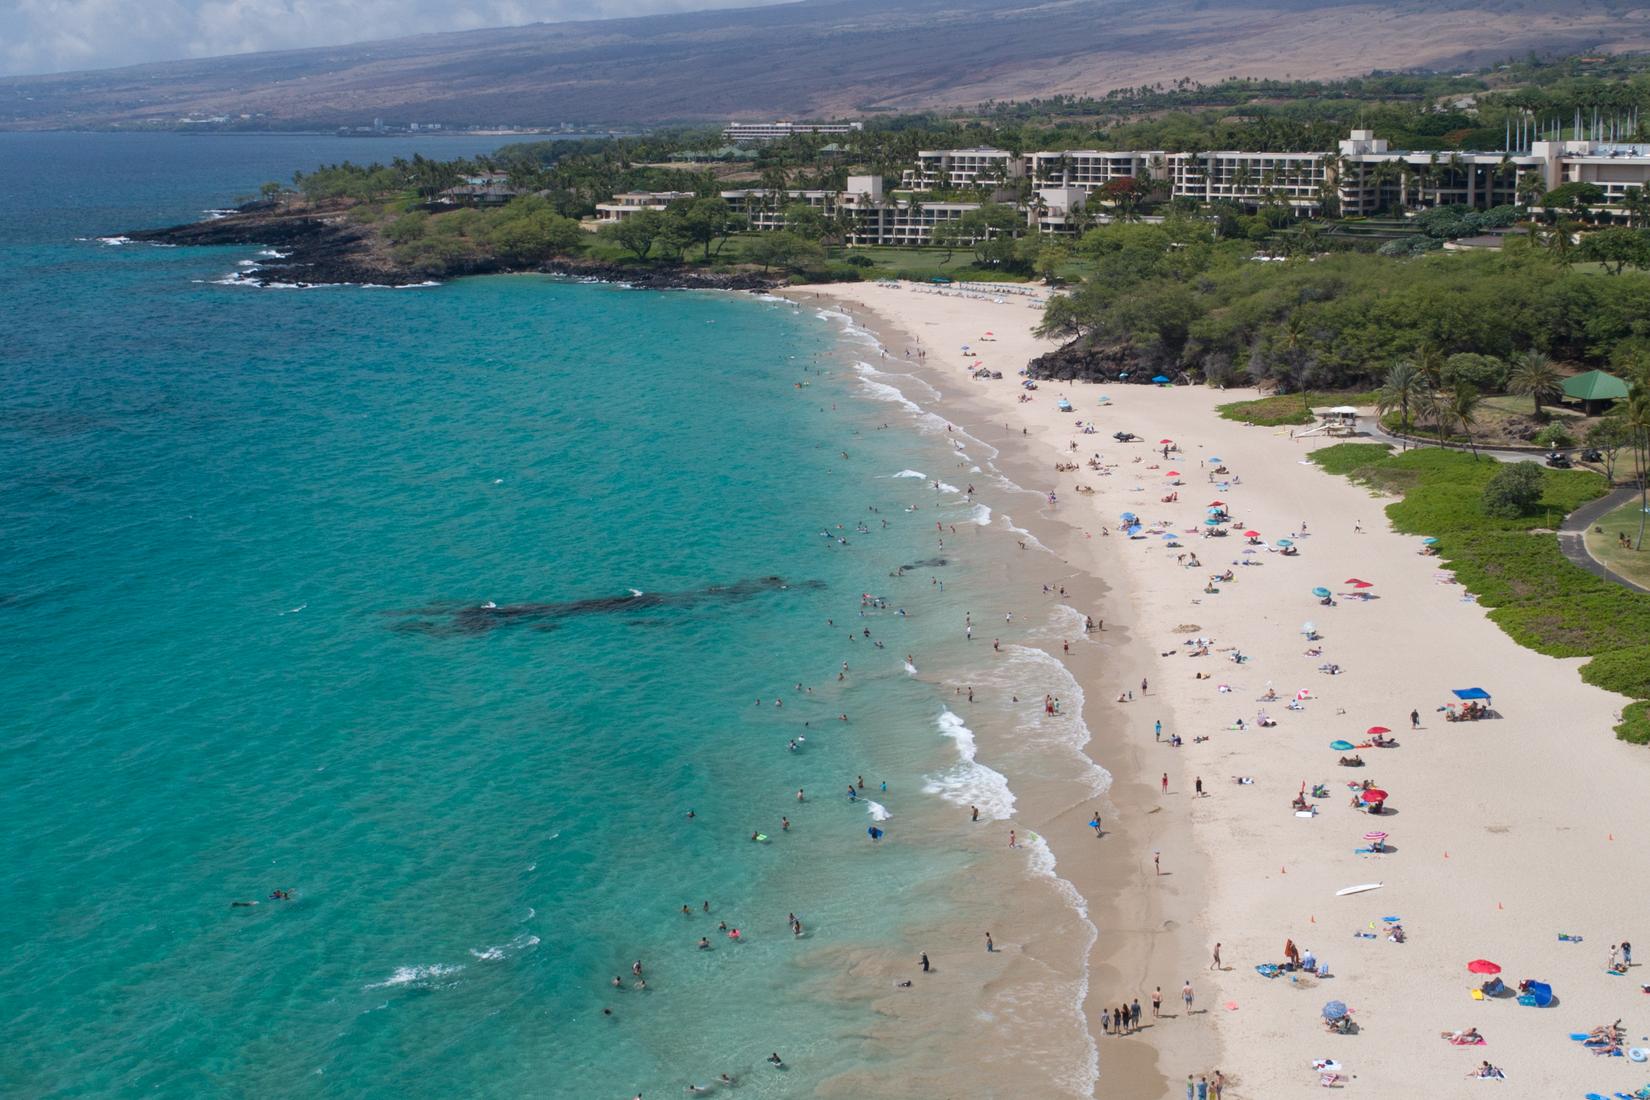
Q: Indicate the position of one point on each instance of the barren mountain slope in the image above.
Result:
(819, 57)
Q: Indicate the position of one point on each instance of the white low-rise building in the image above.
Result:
(775, 131)
(627, 203)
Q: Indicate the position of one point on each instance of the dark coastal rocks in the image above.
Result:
(1083, 361)
(320, 249)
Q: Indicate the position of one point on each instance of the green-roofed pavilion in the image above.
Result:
(1595, 390)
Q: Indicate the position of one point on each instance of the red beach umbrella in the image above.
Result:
(1356, 583)
(1172, 473)
(1376, 834)
(1251, 534)
(1374, 794)
(1216, 504)
(1373, 730)
(1483, 966)
(1165, 441)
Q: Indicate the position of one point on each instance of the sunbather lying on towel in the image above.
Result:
(1467, 1038)
(1489, 1072)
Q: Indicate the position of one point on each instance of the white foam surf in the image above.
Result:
(982, 515)
(910, 473)
(416, 975)
(1025, 536)
(968, 782)
(1040, 861)
(524, 942)
(878, 811)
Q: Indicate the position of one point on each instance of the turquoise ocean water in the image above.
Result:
(247, 540)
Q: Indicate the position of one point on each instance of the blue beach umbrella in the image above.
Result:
(1334, 1010)
(1212, 522)
(1429, 541)
(1159, 379)
(1134, 529)
(1170, 535)
(1213, 458)
(1285, 542)
(1321, 593)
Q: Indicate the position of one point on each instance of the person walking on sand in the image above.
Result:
(1217, 1085)
(1157, 1002)
(1157, 862)
(1142, 685)
(1191, 1088)
(989, 946)
(1134, 1014)
(1215, 963)
(925, 962)
(1157, 730)
(1011, 842)
(1200, 786)
(1414, 719)
(1186, 995)
(1165, 782)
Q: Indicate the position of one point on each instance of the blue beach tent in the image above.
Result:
(1472, 694)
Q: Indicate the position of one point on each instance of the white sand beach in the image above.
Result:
(1503, 833)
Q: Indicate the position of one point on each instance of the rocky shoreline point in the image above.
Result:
(324, 248)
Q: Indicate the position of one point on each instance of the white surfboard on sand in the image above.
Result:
(1345, 890)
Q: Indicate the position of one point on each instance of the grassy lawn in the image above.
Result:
(926, 263)
(1607, 547)
(1289, 408)
(1514, 566)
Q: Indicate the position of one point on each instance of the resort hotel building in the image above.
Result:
(737, 132)
(1056, 190)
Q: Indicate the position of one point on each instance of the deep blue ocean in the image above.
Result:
(249, 540)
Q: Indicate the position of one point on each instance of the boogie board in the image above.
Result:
(1345, 890)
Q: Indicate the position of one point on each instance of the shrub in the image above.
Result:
(1513, 490)
(1555, 435)
(1485, 373)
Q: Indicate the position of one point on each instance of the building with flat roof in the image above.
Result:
(1251, 179)
(1614, 167)
(1091, 169)
(775, 131)
(962, 169)
(627, 203)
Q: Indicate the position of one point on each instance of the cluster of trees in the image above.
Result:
(1180, 297)
(706, 223)
(522, 234)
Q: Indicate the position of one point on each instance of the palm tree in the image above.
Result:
(1534, 376)
(1636, 418)
(1530, 188)
(1430, 362)
(1405, 387)
(1457, 410)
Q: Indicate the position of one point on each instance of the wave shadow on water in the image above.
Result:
(453, 618)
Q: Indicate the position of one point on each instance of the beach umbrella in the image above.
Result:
(1216, 504)
(1172, 473)
(1159, 379)
(1429, 542)
(1212, 521)
(1320, 592)
(1373, 730)
(1285, 542)
(1309, 627)
(1213, 458)
(1356, 583)
(1165, 441)
(1303, 694)
(1483, 966)
(1134, 529)
(1249, 534)
(1341, 746)
(1374, 794)
(1126, 517)
(1334, 1010)
(1378, 835)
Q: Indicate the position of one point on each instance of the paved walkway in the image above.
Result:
(1572, 534)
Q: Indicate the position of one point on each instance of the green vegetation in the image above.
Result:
(1181, 296)
(1512, 563)
(1289, 408)
(1617, 545)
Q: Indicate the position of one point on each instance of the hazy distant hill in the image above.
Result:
(820, 57)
